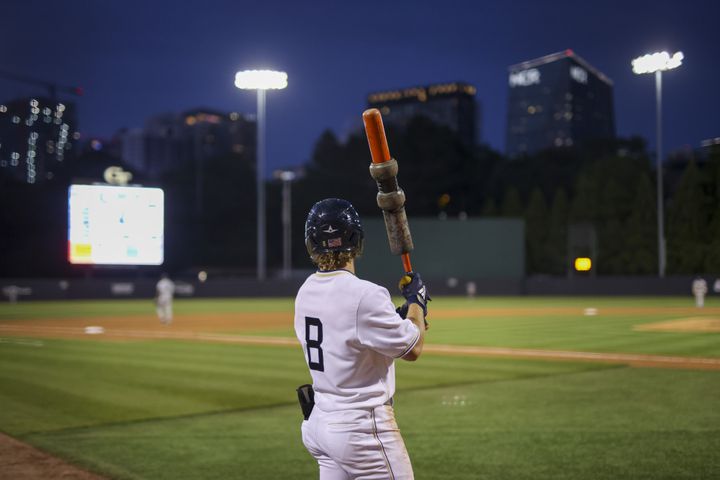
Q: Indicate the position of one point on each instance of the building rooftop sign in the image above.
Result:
(422, 93)
(553, 57)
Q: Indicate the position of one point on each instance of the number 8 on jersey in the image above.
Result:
(313, 340)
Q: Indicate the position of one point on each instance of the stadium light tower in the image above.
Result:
(287, 177)
(260, 80)
(657, 63)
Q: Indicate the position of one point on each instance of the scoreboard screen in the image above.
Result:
(113, 225)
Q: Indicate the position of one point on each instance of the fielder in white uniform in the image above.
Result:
(699, 290)
(351, 334)
(165, 289)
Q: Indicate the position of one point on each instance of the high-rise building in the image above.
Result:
(36, 136)
(185, 140)
(450, 104)
(558, 100)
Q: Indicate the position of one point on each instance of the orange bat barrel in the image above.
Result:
(390, 197)
(375, 131)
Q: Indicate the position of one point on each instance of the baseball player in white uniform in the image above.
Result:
(351, 334)
(699, 290)
(165, 289)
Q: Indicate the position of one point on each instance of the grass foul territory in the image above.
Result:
(213, 395)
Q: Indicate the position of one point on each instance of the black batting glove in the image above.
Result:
(402, 310)
(414, 290)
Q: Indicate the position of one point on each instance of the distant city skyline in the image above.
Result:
(136, 60)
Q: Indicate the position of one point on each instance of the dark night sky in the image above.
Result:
(138, 58)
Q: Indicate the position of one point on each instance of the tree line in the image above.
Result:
(607, 186)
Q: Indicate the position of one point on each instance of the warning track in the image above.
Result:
(631, 359)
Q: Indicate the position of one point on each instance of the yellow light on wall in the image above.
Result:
(583, 264)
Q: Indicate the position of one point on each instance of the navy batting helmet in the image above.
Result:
(333, 225)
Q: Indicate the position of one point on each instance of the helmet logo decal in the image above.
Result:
(335, 242)
(330, 229)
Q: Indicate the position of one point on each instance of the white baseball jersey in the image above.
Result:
(699, 287)
(165, 289)
(351, 335)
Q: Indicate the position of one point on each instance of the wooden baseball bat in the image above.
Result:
(391, 198)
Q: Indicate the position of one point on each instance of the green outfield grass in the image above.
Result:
(170, 409)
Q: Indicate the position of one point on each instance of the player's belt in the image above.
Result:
(389, 402)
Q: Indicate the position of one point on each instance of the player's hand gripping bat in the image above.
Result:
(390, 197)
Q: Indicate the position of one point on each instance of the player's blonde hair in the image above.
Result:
(332, 260)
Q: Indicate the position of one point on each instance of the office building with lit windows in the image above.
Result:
(450, 104)
(36, 136)
(185, 140)
(558, 100)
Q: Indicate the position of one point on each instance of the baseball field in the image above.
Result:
(507, 388)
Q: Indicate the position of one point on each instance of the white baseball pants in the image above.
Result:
(164, 311)
(357, 444)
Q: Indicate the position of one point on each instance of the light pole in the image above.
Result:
(656, 63)
(260, 80)
(287, 177)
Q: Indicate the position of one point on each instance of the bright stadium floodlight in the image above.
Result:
(260, 80)
(657, 63)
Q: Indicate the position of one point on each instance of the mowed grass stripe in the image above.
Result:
(105, 382)
(101, 308)
(597, 333)
(600, 424)
(90, 308)
(127, 384)
(147, 355)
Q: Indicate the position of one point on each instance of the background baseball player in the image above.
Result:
(351, 334)
(165, 289)
(699, 290)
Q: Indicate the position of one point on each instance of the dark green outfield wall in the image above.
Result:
(470, 249)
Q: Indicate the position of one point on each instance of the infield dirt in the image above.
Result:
(21, 461)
